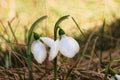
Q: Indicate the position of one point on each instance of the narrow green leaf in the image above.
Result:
(55, 37)
(102, 31)
(108, 68)
(78, 27)
(30, 32)
(69, 72)
(57, 25)
(30, 35)
(33, 26)
(103, 28)
(114, 60)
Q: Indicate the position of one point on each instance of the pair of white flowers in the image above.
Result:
(66, 45)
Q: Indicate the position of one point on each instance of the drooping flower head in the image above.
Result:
(66, 45)
(38, 49)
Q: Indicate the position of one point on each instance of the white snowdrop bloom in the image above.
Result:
(117, 76)
(48, 41)
(66, 45)
(39, 51)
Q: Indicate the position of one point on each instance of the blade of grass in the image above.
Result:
(108, 67)
(78, 27)
(14, 36)
(6, 61)
(92, 52)
(85, 48)
(7, 56)
(16, 26)
(25, 34)
(4, 29)
(102, 43)
(9, 43)
(70, 70)
(15, 39)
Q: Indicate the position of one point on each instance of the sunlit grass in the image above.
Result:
(88, 13)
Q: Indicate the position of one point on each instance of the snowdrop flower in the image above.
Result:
(66, 45)
(117, 77)
(39, 51)
(48, 41)
(38, 48)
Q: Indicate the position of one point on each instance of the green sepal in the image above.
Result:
(61, 32)
(36, 36)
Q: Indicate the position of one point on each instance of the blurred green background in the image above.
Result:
(89, 14)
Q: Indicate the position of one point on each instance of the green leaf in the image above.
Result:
(57, 25)
(28, 44)
(103, 28)
(102, 44)
(109, 69)
(78, 27)
(33, 27)
(31, 31)
(55, 37)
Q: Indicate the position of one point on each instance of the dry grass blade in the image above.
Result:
(92, 52)
(85, 48)
(4, 28)
(14, 36)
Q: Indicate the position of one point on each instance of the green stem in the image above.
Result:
(55, 60)
(30, 33)
(55, 69)
(55, 38)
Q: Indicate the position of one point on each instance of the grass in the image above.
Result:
(16, 58)
(88, 15)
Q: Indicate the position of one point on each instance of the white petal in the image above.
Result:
(68, 46)
(48, 41)
(39, 51)
(117, 76)
(54, 50)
